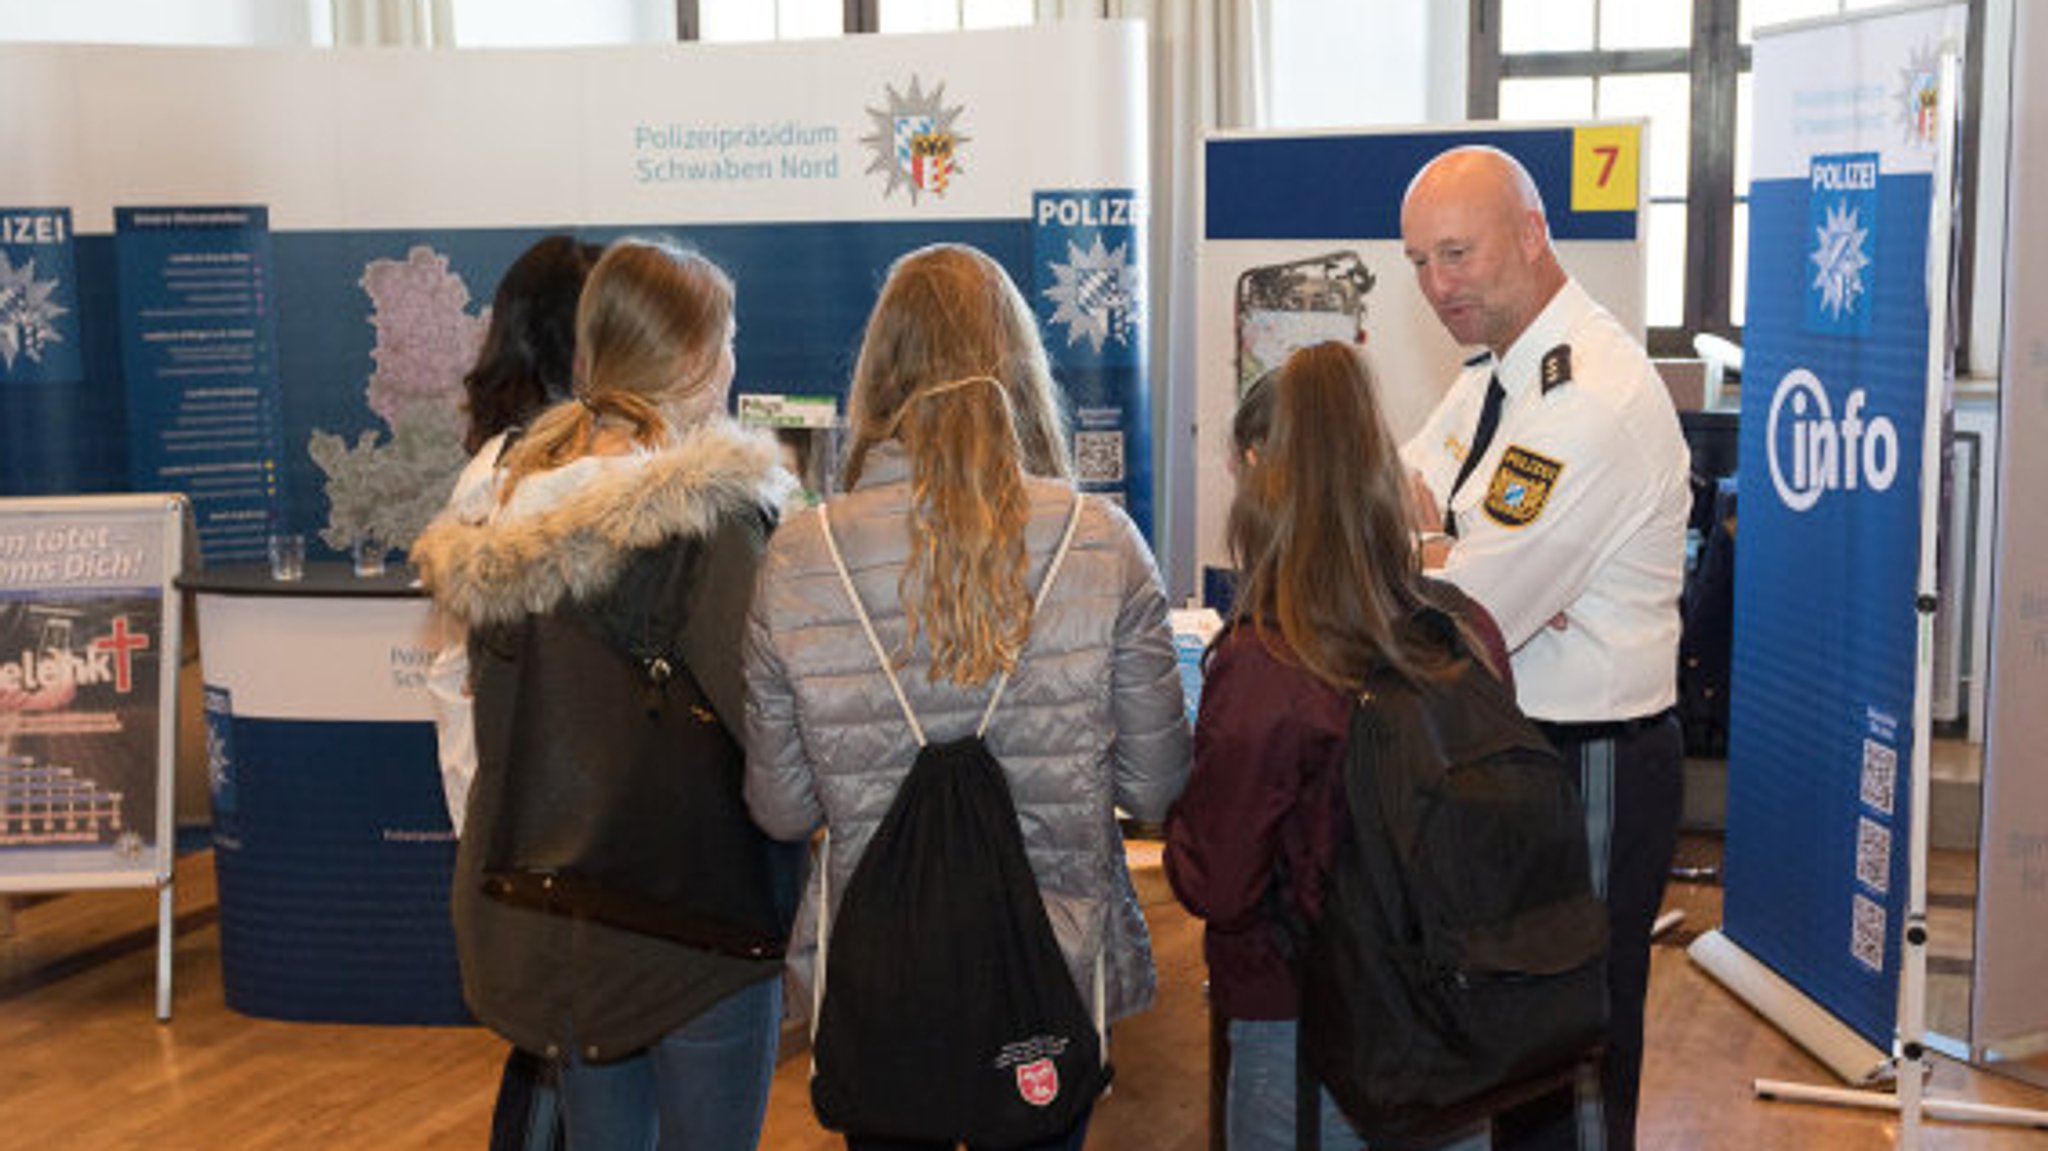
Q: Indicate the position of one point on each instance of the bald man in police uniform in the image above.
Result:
(1556, 473)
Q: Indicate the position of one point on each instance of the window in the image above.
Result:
(948, 15)
(1340, 63)
(1683, 65)
(550, 24)
(1546, 60)
(730, 20)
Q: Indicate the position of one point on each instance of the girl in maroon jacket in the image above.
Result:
(1328, 582)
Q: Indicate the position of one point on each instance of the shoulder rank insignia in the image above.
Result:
(1521, 485)
(1557, 367)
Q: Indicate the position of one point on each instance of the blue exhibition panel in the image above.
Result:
(333, 863)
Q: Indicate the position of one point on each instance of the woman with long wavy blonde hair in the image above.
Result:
(958, 499)
(952, 370)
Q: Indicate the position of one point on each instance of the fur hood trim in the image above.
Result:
(509, 566)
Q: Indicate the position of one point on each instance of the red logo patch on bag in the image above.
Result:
(1038, 1082)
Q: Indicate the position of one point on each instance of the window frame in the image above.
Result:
(861, 16)
(1714, 61)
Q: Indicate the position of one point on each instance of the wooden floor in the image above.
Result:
(86, 1065)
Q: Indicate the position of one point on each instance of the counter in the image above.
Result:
(331, 838)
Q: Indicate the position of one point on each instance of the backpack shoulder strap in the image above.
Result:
(867, 625)
(1052, 571)
(646, 627)
(1437, 620)
(1374, 734)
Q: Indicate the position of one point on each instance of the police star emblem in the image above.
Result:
(1096, 294)
(28, 315)
(915, 141)
(1521, 486)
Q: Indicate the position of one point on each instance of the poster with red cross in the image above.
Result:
(86, 668)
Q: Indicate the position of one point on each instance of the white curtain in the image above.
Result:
(394, 23)
(1209, 70)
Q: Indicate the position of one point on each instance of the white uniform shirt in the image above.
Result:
(1578, 507)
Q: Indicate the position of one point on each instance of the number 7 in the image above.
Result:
(1611, 152)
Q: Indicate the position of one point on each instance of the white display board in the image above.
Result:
(279, 263)
(89, 651)
(1301, 241)
(655, 135)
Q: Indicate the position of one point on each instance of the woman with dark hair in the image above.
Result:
(526, 363)
(526, 360)
(1250, 423)
(1329, 587)
(956, 505)
(629, 520)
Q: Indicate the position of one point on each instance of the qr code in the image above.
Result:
(1099, 456)
(1874, 855)
(1880, 775)
(1866, 933)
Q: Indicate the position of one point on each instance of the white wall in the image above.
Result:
(1994, 124)
(270, 23)
(2012, 868)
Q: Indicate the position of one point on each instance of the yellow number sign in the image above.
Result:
(1604, 162)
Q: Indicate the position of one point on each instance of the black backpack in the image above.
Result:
(947, 1011)
(1459, 965)
(632, 816)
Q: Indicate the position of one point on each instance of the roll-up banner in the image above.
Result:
(1287, 261)
(2012, 886)
(271, 267)
(1835, 392)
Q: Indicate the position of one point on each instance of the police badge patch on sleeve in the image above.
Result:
(1521, 485)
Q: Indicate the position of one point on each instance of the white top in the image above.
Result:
(1578, 508)
(475, 500)
(475, 491)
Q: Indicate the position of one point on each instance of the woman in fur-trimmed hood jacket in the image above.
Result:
(628, 504)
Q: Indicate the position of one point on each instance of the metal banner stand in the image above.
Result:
(1909, 1050)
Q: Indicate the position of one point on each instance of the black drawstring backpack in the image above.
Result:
(947, 1010)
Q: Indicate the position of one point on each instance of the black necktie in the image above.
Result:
(1482, 438)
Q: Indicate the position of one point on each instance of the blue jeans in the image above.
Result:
(701, 1087)
(1263, 1093)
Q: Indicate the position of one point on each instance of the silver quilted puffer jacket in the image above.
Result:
(1092, 721)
